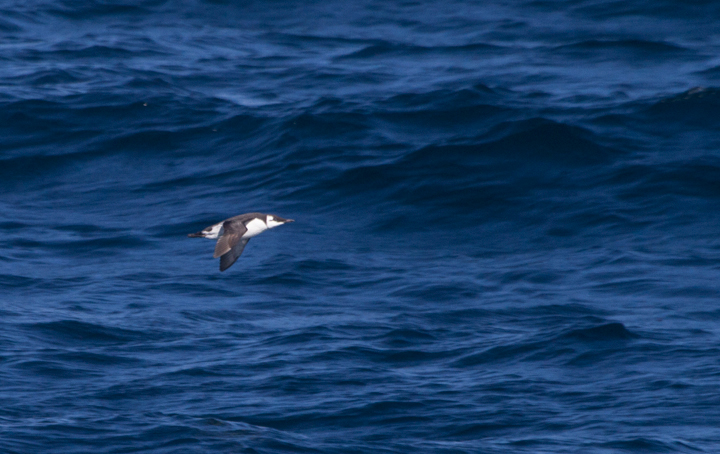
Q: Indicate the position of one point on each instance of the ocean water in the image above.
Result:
(506, 237)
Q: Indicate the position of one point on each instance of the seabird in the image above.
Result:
(234, 233)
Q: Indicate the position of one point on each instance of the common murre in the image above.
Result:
(234, 233)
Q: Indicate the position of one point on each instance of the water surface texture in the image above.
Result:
(507, 234)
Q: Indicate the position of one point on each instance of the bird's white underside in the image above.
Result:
(254, 228)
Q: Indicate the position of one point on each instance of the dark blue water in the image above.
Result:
(507, 234)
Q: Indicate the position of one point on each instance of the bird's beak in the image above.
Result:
(289, 220)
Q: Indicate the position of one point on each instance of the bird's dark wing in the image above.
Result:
(232, 255)
(225, 243)
(232, 232)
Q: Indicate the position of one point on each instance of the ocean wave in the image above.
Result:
(646, 49)
(388, 49)
(607, 332)
(694, 107)
(78, 331)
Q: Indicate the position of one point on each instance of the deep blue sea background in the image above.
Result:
(506, 237)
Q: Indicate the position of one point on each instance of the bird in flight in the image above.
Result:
(234, 233)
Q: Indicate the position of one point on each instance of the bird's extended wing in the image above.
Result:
(232, 255)
(232, 232)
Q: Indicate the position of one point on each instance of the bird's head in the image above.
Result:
(274, 221)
